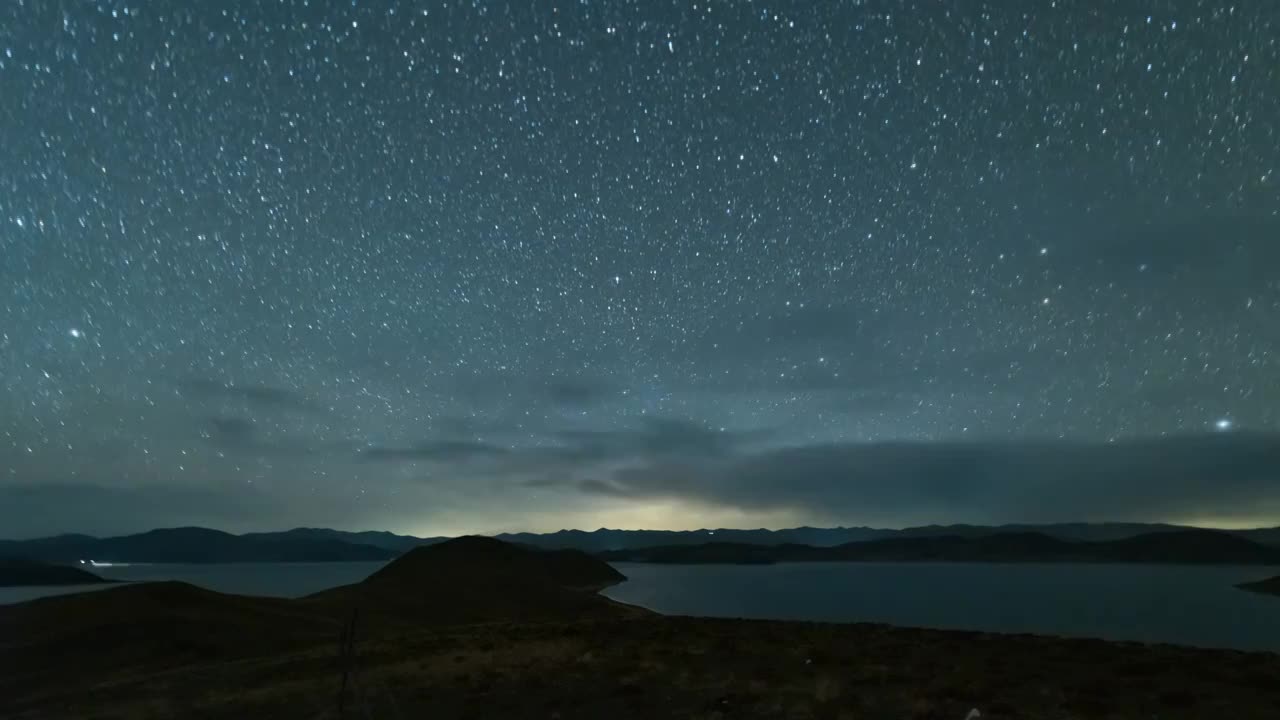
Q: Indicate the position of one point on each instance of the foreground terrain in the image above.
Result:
(1269, 586)
(434, 636)
(20, 573)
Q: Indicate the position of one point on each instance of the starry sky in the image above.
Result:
(445, 267)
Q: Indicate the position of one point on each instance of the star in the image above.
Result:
(459, 234)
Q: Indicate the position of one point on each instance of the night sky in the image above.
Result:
(482, 266)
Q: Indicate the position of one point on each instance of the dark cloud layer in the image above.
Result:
(445, 451)
(1221, 476)
(1217, 475)
(533, 390)
(244, 437)
(260, 396)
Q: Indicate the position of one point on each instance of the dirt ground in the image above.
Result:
(673, 667)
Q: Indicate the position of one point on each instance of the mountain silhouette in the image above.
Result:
(1176, 546)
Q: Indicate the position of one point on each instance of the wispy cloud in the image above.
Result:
(262, 396)
(1207, 475)
(446, 451)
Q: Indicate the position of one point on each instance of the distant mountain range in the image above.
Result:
(604, 539)
(202, 545)
(1171, 546)
(194, 545)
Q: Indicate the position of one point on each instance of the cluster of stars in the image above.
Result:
(830, 221)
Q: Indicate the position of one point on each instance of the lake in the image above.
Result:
(1190, 605)
(270, 579)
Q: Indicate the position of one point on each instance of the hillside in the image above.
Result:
(16, 572)
(1189, 546)
(477, 579)
(1181, 547)
(633, 668)
(1270, 586)
(162, 625)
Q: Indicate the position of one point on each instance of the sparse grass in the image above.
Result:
(709, 668)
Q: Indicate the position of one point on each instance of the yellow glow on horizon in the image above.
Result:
(629, 515)
(1229, 522)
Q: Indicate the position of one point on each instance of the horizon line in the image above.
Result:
(1097, 523)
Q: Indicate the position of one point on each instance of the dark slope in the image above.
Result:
(1001, 547)
(1263, 536)
(1189, 546)
(17, 572)
(477, 579)
(147, 626)
(75, 641)
(1181, 546)
(1270, 586)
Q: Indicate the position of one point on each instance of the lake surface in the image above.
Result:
(270, 579)
(1188, 605)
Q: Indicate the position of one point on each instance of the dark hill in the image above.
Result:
(1001, 547)
(15, 572)
(137, 624)
(1189, 546)
(484, 559)
(164, 625)
(198, 545)
(1270, 586)
(478, 579)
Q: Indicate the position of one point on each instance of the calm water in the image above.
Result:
(272, 579)
(1151, 603)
